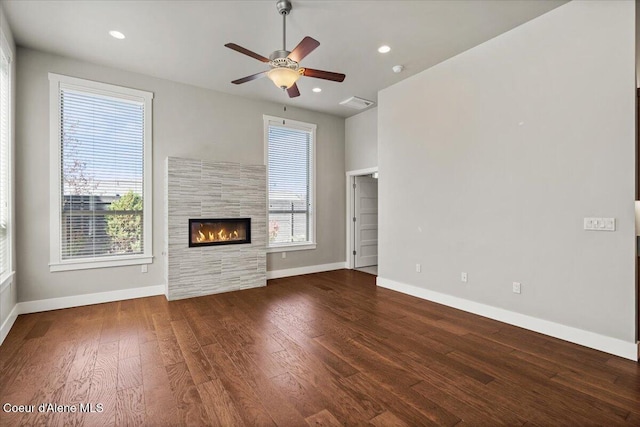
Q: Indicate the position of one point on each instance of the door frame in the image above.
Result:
(351, 176)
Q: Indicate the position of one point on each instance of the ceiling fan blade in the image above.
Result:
(249, 78)
(247, 52)
(304, 48)
(326, 75)
(293, 91)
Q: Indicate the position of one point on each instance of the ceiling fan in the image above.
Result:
(285, 68)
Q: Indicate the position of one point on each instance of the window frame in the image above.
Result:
(307, 127)
(56, 263)
(6, 278)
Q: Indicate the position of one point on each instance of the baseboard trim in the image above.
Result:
(277, 274)
(615, 346)
(88, 299)
(8, 323)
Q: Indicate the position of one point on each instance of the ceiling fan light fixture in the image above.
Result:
(283, 77)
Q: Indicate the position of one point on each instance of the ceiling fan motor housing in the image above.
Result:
(279, 54)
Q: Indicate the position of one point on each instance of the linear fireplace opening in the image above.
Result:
(219, 231)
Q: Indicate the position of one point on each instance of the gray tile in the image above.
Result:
(203, 189)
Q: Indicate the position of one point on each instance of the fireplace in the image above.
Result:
(220, 231)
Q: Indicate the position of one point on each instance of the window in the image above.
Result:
(291, 176)
(6, 200)
(100, 175)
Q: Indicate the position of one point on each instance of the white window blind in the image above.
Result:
(102, 176)
(5, 182)
(102, 146)
(290, 154)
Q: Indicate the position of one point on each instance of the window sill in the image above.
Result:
(99, 263)
(291, 247)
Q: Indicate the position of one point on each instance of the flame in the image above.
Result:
(213, 236)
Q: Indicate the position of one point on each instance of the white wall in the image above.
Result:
(361, 140)
(9, 292)
(490, 161)
(189, 122)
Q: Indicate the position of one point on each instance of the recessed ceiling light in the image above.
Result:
(384, 49)
(316, 90)
(116, 34)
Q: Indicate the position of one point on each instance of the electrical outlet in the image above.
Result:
(418, 268)
(284, 255)
(463, 277)
(144, 268)
(516, 287)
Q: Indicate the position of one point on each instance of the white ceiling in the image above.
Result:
(184, 40)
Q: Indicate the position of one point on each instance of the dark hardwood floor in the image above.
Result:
(322, 349)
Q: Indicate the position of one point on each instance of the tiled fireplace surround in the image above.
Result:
(205, 189)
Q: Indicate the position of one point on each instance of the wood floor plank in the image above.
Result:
(110, 331)
(130, 410)
(39, 329)
(463, 405)
(128, 346)
(258, 349)
(312, 373)
(374, 364)
(146, 330)
(259, 379)
(385, 399)
(21, 367)
(218, 404)
(78, 383)
(303, 396)
(323, 418)
(569, 405)
(104, 385)
(129, 373)
(244, 397)
(449, 387)
(622, 366)
(319, 349)
(191, 411)
(169, 347)
(198, 364)
(51, 388)
(160, 403)
(13, 341)
(387, 419)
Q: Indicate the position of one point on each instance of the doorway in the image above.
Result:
(362, 220)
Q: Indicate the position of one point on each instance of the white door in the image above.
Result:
(366, 223)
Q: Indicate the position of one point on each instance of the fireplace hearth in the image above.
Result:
(219, 231)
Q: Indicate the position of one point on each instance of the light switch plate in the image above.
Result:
(610, 224)
(600, 224)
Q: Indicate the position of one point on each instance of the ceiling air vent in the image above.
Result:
(357, 103)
